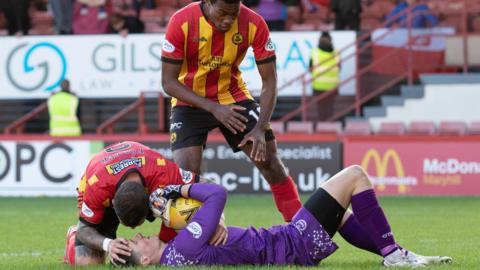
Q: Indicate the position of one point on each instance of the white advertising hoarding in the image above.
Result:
(105, 66)
(42, 168)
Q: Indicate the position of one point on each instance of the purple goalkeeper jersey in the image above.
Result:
(301, 242)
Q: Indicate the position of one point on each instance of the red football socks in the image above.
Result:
(286, 198)
(69, 257)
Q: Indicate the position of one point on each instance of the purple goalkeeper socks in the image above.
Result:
(354, 233)
(370, 215)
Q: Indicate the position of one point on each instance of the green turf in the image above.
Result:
(32, 231)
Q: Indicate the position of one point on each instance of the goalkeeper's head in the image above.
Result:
(145, 251)
(131, 204)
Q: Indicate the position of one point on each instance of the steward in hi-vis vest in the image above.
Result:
(62, 108)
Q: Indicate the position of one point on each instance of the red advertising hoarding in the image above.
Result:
(418, 167)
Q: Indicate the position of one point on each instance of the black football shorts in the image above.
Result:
(190, 126)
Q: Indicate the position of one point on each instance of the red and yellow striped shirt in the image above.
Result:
(210, 58)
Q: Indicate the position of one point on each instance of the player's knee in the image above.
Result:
(358, 175)
(85, 256)
(86, 261)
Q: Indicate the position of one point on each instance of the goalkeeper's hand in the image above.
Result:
(159, 198)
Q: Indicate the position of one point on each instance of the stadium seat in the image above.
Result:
(300, 127)
(151, 15)
(452, 128)
(277, 127)
(328, 127)
(422, 128)
(392, 128)
(302, 27)
(358, 128)
(474, 128)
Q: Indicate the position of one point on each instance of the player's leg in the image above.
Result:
(283, 188)
(189, 129)
(189, 158)
(85, 256)
(354, 233)
(69, 257)
(352, 185)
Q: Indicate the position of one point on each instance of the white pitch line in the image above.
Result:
(31, 253)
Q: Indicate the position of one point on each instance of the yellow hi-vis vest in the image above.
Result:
(330, 79)
(62, 108)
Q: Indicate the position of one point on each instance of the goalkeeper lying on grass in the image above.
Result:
(304, 241)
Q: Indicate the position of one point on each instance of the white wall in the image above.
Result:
(454, 102)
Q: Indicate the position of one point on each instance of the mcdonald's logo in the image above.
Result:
(382, 179)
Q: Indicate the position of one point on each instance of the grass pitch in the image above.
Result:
(32, 230)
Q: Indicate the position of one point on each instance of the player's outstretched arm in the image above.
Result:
(89, 236)
(268, 98)
(221, 234)
(201, 228)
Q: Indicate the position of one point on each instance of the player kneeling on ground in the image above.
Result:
(305, 241)
(115, 189)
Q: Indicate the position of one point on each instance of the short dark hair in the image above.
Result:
(132, 260)
(131, 203)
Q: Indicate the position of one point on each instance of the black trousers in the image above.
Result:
(347, 22)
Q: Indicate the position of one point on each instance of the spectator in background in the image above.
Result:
(347, 14)
(16, 15)
(91, 16)
(324, 68)
(274, 12)
(63, 15)
(63, 110)
(126, 24)
(421, 15)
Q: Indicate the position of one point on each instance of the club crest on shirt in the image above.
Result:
(195, 229)
(168, 47)
(269, 45)
(301, 225)
(237, 38)
(173, 137)
(187, 176)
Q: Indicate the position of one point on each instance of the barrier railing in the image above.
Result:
(359, 100)
(17, 125)
(108, 125)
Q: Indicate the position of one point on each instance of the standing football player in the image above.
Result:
(204, 45)
(305, 241)
(114, 189)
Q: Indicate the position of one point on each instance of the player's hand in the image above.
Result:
(116, 248)
(168, 192)
(221, 234)
(158, 199)
(231, 119)
(259, 146)
(157, 204)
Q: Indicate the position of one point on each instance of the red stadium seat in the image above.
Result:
(474, 128)
(300, 127)
(452, 128)
(277, 127)
(392, 128)
(422, 128)
(302, 27)
(151, 15)
(358, 128)
(328, 127)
